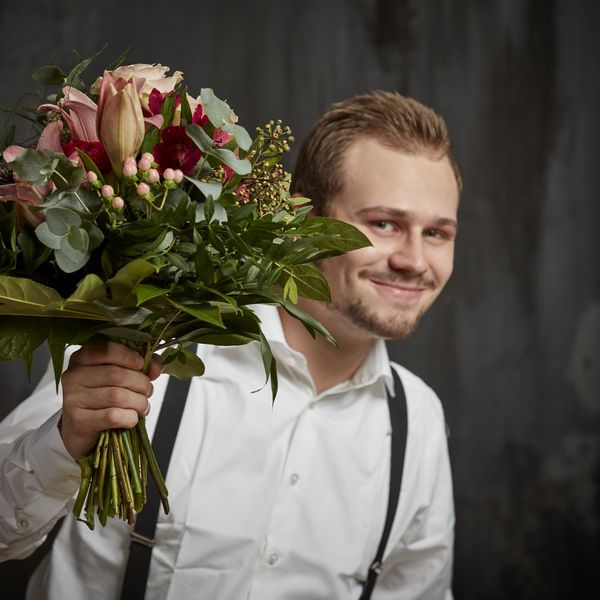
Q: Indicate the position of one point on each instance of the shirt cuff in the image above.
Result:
(55, 468)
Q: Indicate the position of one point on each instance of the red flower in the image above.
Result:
(219, 136)
(156, 99)
(176, 151)
(95, 150)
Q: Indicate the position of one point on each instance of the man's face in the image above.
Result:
(406, 205)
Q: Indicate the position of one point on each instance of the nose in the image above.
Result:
(408, 255)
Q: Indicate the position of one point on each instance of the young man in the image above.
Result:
(285, 501)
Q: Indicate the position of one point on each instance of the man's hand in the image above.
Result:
(103, 388)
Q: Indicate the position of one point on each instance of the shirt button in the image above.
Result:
(23, 523)
(273, 559)
(294, 478)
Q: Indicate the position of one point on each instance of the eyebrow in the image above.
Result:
(407, 214)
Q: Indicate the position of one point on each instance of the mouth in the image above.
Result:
(401, 291)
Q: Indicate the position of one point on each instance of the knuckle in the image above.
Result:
(117, 397)
(114, 417)
(115, 376)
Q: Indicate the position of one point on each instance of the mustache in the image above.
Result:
(398, 278)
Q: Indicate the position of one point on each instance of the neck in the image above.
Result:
(328, 364)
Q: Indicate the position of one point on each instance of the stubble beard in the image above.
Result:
(390, 324)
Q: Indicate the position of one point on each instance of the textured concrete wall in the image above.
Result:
(513, 347)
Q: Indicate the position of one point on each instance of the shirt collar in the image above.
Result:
(376, 366)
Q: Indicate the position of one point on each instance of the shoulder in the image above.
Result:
(421, 399)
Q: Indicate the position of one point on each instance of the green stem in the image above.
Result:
(127, 500)
(153, 464)
(86, 475)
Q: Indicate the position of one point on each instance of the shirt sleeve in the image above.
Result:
(419, 566)
(38, 478)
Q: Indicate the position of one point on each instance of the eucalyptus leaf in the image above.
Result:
(199, 137)
(217, 110)
(240, 165)
(243, 139)
(212, 189)
(61, 219)
(49, 239)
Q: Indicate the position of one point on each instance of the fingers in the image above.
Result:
(103, 388)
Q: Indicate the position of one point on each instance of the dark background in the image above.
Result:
(513, 345)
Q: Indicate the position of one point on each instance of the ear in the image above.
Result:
(312, 213)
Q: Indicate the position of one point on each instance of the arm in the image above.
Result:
(102, 388)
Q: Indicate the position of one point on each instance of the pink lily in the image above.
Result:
(120, 121)
(78, 112)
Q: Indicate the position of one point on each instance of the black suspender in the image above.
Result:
(399, 421)
(163, 440)
(142, 537)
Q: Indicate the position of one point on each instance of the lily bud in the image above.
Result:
(121, 124)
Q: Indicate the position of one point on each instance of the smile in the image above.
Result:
(401, 291)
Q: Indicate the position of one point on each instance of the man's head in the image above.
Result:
(394, 120)
(383, 163)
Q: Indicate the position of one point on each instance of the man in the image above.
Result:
(285, 501)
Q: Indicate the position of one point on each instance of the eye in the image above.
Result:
(436, 234)
(383, 225)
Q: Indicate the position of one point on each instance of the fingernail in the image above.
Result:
(147, 410)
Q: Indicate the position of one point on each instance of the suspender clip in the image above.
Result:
(141, 539)
(376, 567)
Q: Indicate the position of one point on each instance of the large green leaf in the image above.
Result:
(217, 110)
(309, 281)
(20, 296)
(340, 236)
(20, 336)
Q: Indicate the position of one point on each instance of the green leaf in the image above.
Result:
(128, 334)
(90, 165)
(7, 136)
(239, 165)
(20, 296)
(243, 139)
(341, 236)
(60, 220)
(144, 292)
(68, 258)
(123, 283)
(35, 166)
(217, 110)
(49, 75)
(199, 137)
(78, 239)
(181, 363)
(309, 282)
(151, 138)
(290, 290)
(269, 364)
(20, 336)
(203, 312)
(49, 239)
(212, 189)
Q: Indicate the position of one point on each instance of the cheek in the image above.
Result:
(442, 265)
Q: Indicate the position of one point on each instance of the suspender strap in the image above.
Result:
(142, 537)
(399, 421)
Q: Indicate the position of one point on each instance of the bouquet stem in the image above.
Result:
(114, 476)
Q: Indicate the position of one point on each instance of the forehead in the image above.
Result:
(374, 174)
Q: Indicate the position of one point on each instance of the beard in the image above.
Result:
(390, 323)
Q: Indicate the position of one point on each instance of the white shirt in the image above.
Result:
(282, 501)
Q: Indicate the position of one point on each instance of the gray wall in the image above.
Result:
(513, 346)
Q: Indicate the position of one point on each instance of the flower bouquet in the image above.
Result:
(149, 216)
